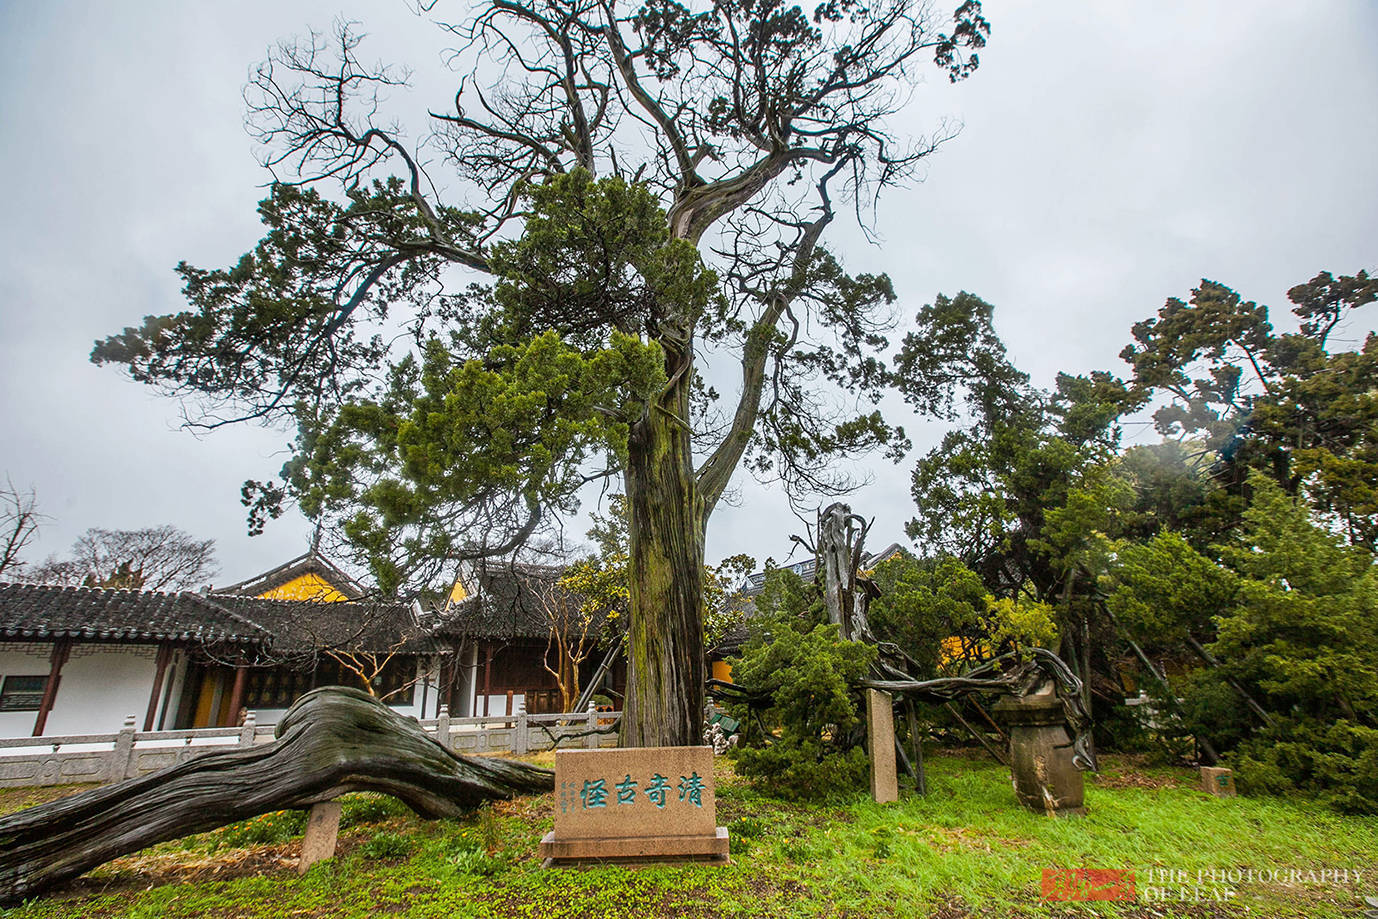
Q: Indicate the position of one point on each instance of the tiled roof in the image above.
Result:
(41, 611)
(279, 627)
(299, 626)
(506, 603)
(310, 563)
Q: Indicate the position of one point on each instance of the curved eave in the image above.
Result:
(127, 635)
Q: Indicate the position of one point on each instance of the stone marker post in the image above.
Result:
(1218, 781)
(880, 743)
(442, 726)
(322, 829)
(593, 741)
(247, 730)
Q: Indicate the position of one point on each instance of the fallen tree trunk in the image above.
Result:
(333, 740)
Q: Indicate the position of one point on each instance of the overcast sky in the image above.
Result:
(1112, 155)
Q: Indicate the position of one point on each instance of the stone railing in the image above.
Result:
(77, 758)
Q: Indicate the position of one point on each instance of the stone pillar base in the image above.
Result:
(557, 852)
(1045, 779)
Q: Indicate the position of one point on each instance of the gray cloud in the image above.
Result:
(1112, 155)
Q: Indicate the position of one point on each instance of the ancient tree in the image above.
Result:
(635, 191)
(154, 558)
(332, 741)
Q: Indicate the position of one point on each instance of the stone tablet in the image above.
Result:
(635, 803)
(1218, 781)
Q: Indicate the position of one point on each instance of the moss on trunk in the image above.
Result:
(665, 667)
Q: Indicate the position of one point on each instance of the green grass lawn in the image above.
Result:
(965, 850)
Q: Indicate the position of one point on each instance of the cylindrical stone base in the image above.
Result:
(1045, 779)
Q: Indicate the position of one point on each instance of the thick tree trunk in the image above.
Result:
(665, 668)
(332, 741)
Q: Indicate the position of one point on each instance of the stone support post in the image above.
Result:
(322, 830)
(1045, 779)
(880, 743)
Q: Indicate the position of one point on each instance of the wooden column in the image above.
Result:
(241, 674)
(487, 677)
(61, 650)
(442, 690)
(164, 655)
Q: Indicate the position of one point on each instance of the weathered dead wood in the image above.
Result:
(333, 740)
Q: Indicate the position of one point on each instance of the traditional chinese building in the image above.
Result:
(500, 624)
(78, 660)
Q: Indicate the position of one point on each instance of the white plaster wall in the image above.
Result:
(24, 659)
(101, 684)
(470, 691)
(173, 682)
(497, 704)
(426, 695)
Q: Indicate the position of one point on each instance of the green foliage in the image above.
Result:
(602, 580)
(786, 595)
(596, 254)
(1338, 759)
(539, 407)
(385, 845)
(1301, 636)
(807, 672)
(1283, 404)
(805, 770)
(1025, 495)
(1163, 589)
(477, 862)
(263, 830)
(1173, 490)
(1210, 707)
(365, 808)
(922, 603)
(1019, 623)
(743, 832)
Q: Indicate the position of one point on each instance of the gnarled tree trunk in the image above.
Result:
(333, 740)
(665, 669)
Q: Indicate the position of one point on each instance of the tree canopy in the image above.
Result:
(632, 185)
(1234, 559)
(154, 558)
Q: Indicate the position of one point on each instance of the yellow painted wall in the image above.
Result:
(722, 670)
(310, 586)
(458, 592)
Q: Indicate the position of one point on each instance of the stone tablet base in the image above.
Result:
(636, 849)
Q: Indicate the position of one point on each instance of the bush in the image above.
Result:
(808, 675)
(805, 770)
(370, 808)
(387, 846)
(1338, 760)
